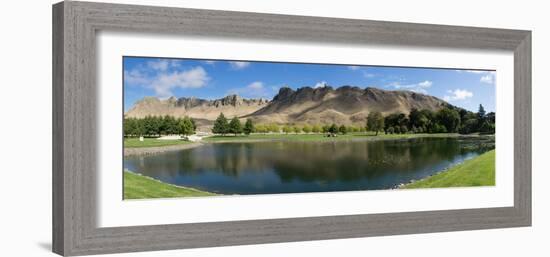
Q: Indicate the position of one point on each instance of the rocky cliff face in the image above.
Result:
(344, 105)
(231, 105)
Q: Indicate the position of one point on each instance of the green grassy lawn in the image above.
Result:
(140, 187)
(479, 171)
(318, 137)
(151, 142)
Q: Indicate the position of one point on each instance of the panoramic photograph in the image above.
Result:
(197, 127)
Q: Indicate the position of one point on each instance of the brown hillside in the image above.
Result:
(202, 109)
(344, 105)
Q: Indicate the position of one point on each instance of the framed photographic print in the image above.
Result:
(182, 128)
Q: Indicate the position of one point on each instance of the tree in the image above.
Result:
(333, 129)
(235, 126)
(468, 126)
(138, 127)
(248, 127)
(186, 126)
(427, 120)
(151, 125)
(396, 129)
(220, 125)
(306, 129)
(438, 128)
(171, 125)
(419, 118)
(487, 127)
(449, 118)
(375, 122)
(194, 124)
(129, 125)
(274, 128)
(481, 113)
(490, 117)
(159, 124)
(414, 117)
(396, 119)
(260, 128)
(342, 129)
(296, 129)
(164, 124)
(316, 129)
(326, 128)
(287, 129)
(404, 129)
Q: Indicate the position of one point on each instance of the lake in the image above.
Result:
(293, 167)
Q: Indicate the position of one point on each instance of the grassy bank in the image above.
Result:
(318, 137)
(479, 171)
(151, 142)
(140, 187)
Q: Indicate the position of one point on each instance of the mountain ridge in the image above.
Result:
(342, 105)
(231, 105)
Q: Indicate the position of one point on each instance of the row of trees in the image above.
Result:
(446, 120)
(332, 129)
(158, 126)
(222, 126)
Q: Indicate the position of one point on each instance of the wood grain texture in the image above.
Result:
(58, 230)
(75, 25)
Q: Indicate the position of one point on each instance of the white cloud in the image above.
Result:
(239, 65)
(135, 78)
(192, 78)
(163, 64)
(320, 84)
(256, 85)
(158, 76)
(487, 79)
(366, 74)
(487, 76)
(425, 84)
(176, 63)
(160, 65)
(255, 89)
(420, 87)
(458, 94)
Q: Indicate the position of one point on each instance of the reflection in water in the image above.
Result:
(290, 167)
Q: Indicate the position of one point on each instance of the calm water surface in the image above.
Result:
(292, 167)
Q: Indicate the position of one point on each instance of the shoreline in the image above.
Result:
(133, 151)
(138, 186)
(353, 138)
(440, 175)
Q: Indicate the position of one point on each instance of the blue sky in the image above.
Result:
(164, 77)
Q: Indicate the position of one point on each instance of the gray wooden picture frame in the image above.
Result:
(75, 25)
